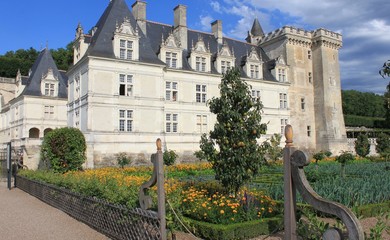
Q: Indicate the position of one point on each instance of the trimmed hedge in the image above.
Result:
(244, 230)
(373, 210)
(369, 122)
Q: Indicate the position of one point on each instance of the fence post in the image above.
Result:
(290, 225)
(161, 190)
(9, 165)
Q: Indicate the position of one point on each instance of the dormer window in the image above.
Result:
(200, 57)
(280, 70)
(125, 41)
(126, 49)
(170, 52)
(253, 65)
(49, 84)
(225, 59)
(282, 75)
(225, 65)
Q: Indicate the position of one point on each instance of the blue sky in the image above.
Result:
(364, 24)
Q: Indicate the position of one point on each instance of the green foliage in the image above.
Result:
(169, 157)
(123, 159)
(233, 142)
(343, 159)
(362, 145)
(273, 150)
(359, 121)
(383, 145)
(245, 230)
(310, 227)
(319, 156)
(200, 155)
(362, 104)
(380, 226)
(385, 70)
(64, 149)
(23, 59)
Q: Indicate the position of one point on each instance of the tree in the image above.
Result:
(343, 159)
(385, 71)
(63, 149)
(273, 150)
(232, 146)
(383, 145)
(362, 145)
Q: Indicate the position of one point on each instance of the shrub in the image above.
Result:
(362, 145)
(123, 159)
(64, 149)
(169, 157)
(273, 149)
(383, 145)
(343, 159)
(319, 156)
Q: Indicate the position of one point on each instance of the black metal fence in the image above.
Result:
(116, 222)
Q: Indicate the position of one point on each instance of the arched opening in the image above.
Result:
(46, 131)
(33, 133)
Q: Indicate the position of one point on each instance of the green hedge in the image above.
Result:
(358, 121)
(372, 210)
(245, 230)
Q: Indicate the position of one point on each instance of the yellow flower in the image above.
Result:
(222, 212)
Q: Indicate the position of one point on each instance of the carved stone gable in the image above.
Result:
(200, 46)
(126, 28)
(280, 60)
(170, 42)
(253, 56)
(49, 75)
(225, 51)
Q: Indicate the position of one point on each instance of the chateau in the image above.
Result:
(134, 81)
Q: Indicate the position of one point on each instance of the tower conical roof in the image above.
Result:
(257, 30)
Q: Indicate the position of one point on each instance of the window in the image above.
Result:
(302, 103)
(200, 64)
(77, 86)
(309, 54)
(171, 91)
(125, 120)
(171, 123)
(126, 49)
(225, 65)
(310, 77)
(255, 95)
(201, 93)
(283, 124)
(77, 118)
(49, 111)
(308, 131)
(282, 75)
(201, 123)
(171, 59)
(283, 100)
(125, 85)
(254, 69)
(49, 89)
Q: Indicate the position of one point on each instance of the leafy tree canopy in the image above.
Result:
(362, 104)
(232, 146)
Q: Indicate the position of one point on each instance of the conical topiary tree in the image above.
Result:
(232, 146)
(362, 145)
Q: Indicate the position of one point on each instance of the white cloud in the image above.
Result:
(377, 29)
(205, 22)
(216, 6)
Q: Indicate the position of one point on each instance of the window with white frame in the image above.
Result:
(171, 59)
(201, 93)
(283, 100)
(283, 124)
(49, 89)
(225, 66)
(171, 91)
(200, 64)
(308, 131)
(254, 71)
(126, 49)
(125, 85)
(256, 95)
(125, 120)
(171, 122)
(282, 75)
(201, 123)
(303, 104)
(49, 111)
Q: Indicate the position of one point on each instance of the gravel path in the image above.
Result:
(23, 216)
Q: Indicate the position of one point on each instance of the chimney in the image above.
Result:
(216, 28)
(180, 24)
(139, 12)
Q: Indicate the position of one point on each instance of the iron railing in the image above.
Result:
(114, 221)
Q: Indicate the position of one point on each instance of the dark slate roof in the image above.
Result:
(257, 30)
(117, 11)
(40, 68)
(101, 41)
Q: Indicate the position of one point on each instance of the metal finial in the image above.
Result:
(158, 144)
(288, 133)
